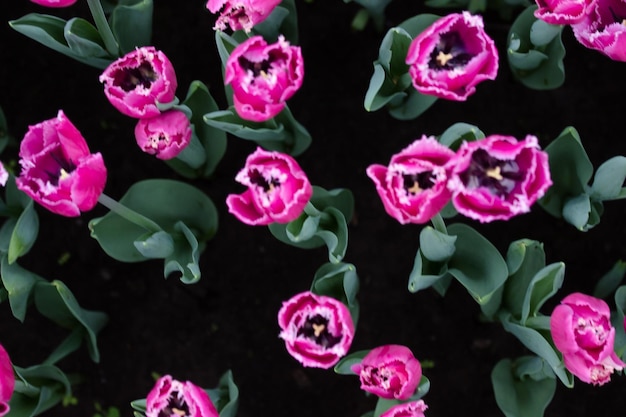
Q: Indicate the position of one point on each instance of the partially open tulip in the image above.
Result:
(58, 170)
(241, 14)
(7, 381)
(603, 28)
(562, 12)
(172, 398)
(164, 135)
(450, 57)
(138, 81)
(410, 409)
(263, 77)
(317, 330)
(54, 3)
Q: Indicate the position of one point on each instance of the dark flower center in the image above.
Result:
(449, 53)
(256, 178)
(57, 166)
(129, 78)
(263, 68)
(416, 183)
(176, 406)
(498, 176)
(316, 329)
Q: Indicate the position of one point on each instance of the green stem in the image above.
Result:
(439, 224)
(103, 27)
(128, 214)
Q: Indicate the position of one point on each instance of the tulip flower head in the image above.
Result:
(164, 135)
(7, 381)
(54, 3)
(172, 398)
(603, 28)
(562, 12)
(450, 57)
(58, 170)
(241, 14)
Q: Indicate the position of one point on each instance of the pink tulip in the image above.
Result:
(7, 381)
(411, 409)
(4, 175)
(241, 14)
(263, 77)
(138, 81)
(278, 189)
(317, 330)
(389, 371)
(172, 398)
(54, 3)
(451, 56)
(603, 28)
(413, 187)
(562, 12)
(58, 171)
(164, 135)
(498, 177)
(582, 332)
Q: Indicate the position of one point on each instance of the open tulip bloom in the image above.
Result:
(54, 3)
(172, 398)
(58, 170)
(562, 12)
(241, 14)
(602, 28)
(452, 56)
(7, 381)
(410, 409)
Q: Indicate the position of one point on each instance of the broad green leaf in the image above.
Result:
(436, 246)
(576, 211)
(131, 23)
(339, 281)
(19, 284)
(542, 33)
(426, 274)
(37, 389)
(83, 39)
(226, 396)
(344, 366)
(24, 233)
(525, 258)
(458, 133)
(414, 105)
(155, 245)
(185, 256)
(609, 179)
(610, 281)
(417, 24)
(381, 91)
(544, 285)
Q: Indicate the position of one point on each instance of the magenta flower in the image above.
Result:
(603, 29)
(278, 189)
(451, 56)
(138, 81)
(4, 175)
(562, 12)
(54, 3)
(413, 187)
(172, 398)
(582, 332)
(58, 171)
(498, 177)
(164, 135)
(410, 409)
(241, 14)
(317, 330)
(389, 371)
(7, 381)
(263, 77)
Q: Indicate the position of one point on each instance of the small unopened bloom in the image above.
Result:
(317, 330)
(450, 57)
(581, 330)
(603, 28)
(263, 77)
(241, 14)
(7, 381)
(498, 177)
(389, 371)
(278, 189)
(54, 3)
(413, 188)
(164, 135)
(562, 12)
(172, 398)
(410, 409)
(58, 170)
(138, 81)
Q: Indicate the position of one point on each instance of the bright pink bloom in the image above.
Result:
(172, 398)
(7, 381)
(604, 28)
(54, 3)
(278, 189)
(582, 332)
(164, 135)
(136, 82)
(58, 171)
(317, 330)
(498, 177)
(562, 12)
(389, 371)
(4, 175)
(411, 409)
(413, 187)
(241, 14)
(451, 56)
(263, 77)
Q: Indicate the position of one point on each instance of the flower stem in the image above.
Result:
(128, 214)
(439, 224)
(103, 27)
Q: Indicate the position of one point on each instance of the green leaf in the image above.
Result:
(226, 396)
(458, 133)
(426, 274)
(155, 245)
(609, 282)
(609, 179)
(525, 258)
(55, 301)
(576, 211)
(131, 24)
(37, 389)
(19, 284)
(24, 233)
(83, 39)
(542, 33)
(341, 282)
(436, 246)
(185, 256)
(344, 366)
(520, 397)
(544, 285)
(417, 24)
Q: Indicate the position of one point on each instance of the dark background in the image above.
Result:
(228, 320)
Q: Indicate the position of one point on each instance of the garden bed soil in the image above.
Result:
(228, 319)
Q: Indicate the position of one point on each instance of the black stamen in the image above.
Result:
(316, 329)
(129, 78)
(449, 53)
(256, 178)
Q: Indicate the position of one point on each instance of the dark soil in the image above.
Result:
(228, 319)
